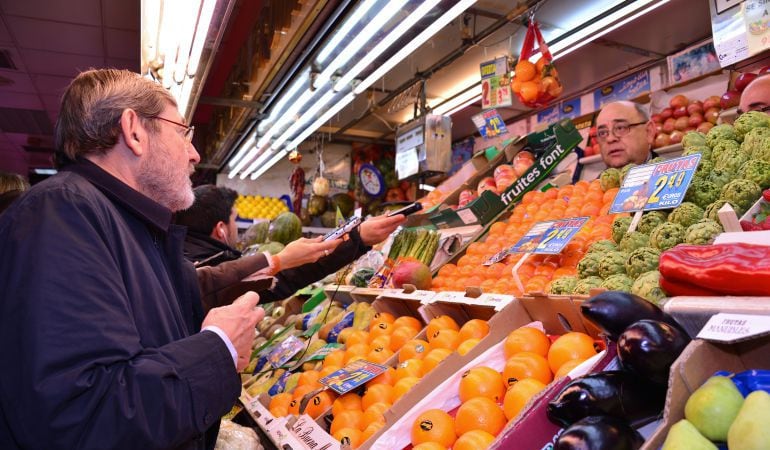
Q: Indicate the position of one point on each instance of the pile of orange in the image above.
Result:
(536, 82)
(490, 399)
(581, 199)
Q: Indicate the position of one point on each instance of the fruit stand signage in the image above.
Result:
(549, 237)
(285, 351)
(729, 328)
(351, 376)
(629, 87)
(489, 123)
(740, 29)
(656, 186)
(495, 88)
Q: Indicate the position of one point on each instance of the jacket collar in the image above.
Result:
(122, 194)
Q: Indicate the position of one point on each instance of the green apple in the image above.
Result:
(713, 407)
(684, 436)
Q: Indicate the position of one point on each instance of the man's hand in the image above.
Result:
(376, 229)
(238, 321)
(303, 251)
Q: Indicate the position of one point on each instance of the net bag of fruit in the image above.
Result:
(535, 84)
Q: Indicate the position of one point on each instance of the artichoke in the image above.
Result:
(619, 227)
(633, 240)
(712, 210)
(704, 150)
(702, 192)
(693, 139)
(618, 282)
(584, 286)
(667, 235)
(720, 132)
(705, 167)
(686, 214)
(756, 142)
(731, 160)
(721, 177)
(749, 121)
(562, 286)
(703, 232)
(612, 263)
(642, 260)
(647, 286)
(652, 219)
(741, 193)
(602, 246)
(756, 170)
(723, 146)
(610, 178)
(589, 265)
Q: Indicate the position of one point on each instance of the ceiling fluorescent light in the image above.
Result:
(602, 27)
(355, 43)
(45, 171)
(415, 43)
(471, 93)
(286, 117)
(252, 152)
(275, 111)
(201, 33)
(384, 44)
(426, 187)
(344, 30)
(265, 154)
(306, 116)
(278, 156)
(242, 149)
(321, 120)
(459, 107)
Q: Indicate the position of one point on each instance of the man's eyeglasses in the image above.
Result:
(763, 109)
(188, 132)
(618, 130)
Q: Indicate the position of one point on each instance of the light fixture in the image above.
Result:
(415, 43)
(306, 116)
(384, 44)
(355, 43)
(45, 171)
(321, 120)
(278, 156)
(470, 95)
(242, 149)
(301, 81)
(462, 106)
(266, 152)
(201, 32)
(342, 33)
(427, 187)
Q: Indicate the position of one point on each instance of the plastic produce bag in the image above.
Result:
(535, 84)
(236, 437)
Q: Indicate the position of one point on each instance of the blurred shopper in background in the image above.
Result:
(12, 185)
(756, 96)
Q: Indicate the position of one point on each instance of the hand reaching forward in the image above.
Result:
(238, 320)
(376, 229)
(303, 251)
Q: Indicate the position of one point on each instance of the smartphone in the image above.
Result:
(406, 210)
(347, 227)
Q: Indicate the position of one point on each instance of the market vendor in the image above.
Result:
(211, 232)
(104, 345)
(756, 95)
(625, 134)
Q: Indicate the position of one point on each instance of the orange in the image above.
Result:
(383, 317)
(401, 335)
(433, 358)
(526, 365)
(374, 413)
(439, 323)
(387, 377)
(334, 358)
(319, 403)
(301, 391)
(429, 446)
(380, 342)
(570, 346)
(279, 404)
(379, 355)
(479, 413)
(497, 228)
(526, 339)
(345, 333)
(349, 436)
(539, 65)
(345, 402)
(474, 440)
(519, 395)
(529, 91)
(357, 337)
(481, 382)
(445, 338)
(349, 418)
(407, 321)
(377, 393)
(328, 370)
(414, 349)
(294, 406)
(467, 346)
(380, 329)
(409, 368)
(474, 328)
(370, 430)
(356, 350)
(403, 386)
(566, 368)
(434, 425)
(310, 378)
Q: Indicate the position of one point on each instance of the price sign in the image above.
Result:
(351, 376)
(724, 327)
(285, 351)
(549, 237)
(656, 186)
(497, 257)
(489, 123)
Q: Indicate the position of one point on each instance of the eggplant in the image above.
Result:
(599, 433)
(613, 393)
(614, 311)
(650, 347)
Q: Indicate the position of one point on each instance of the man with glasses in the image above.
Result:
(756, 96)
(105, 344)
(625, 134)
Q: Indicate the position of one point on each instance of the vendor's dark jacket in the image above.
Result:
(99, 319)
(229, 264)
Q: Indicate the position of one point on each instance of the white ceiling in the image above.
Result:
(49, 42)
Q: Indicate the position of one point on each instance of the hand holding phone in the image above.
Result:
(406, 210)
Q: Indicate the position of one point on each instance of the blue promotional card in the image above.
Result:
(285, 351)
(351, 376)
(656, 186)
(549, 237)
(494, 123)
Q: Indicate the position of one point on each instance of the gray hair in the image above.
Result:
(91, 107)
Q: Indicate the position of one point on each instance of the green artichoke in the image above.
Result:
(619, 227)
(602, 246)
(589, 265)
(721, 177)
(612, 263)
(618, 282)
(704, 150)
(749, 121)
(720, 132)
(563, 285)
(703, 232)
(584, 285)
(741, 193)
(686, 214)
(652, 219)
(756, 142)
(633, 240)
(712, 210)
(642, 260)
(610, 178)
(667, 235)
(693, 139)
(756, 170)
(647, 286)
(702, 192)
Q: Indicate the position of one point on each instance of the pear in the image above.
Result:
(684, 436)
(713, 407)
(751, 429)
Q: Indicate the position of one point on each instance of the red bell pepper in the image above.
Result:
(725, 269)
(676, 288)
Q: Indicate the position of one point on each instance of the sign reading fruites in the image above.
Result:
(656, 186)
(351, 376)
(549, 237)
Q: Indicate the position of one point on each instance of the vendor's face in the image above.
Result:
(623, 134)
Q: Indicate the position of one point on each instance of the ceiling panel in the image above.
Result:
(20, 100)
(20, 82)
(5, 36)
(87, 12)
(51, 102)
(123, 14)
(51, 85)
(122, 43)
(56, 36)
(130, 64)
(62, 64)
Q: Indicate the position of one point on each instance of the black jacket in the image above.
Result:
(99, 319)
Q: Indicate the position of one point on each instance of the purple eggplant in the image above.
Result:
(614, 311)
(649, 348)
(599, 433)
(613, 393)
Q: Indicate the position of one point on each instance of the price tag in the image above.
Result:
(351, 376)
(656, 186)
(407, 163)
(308, 432)
(549, 237)
(467, 216)
(285, 351)
(497, 301)
(728, 328)
(497, 257)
